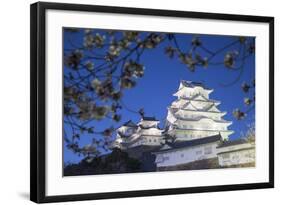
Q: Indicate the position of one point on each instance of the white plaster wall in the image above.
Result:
(191, 135)
(186, 155)
(150, 131)
(238, 157)
(186, 134)
(148, 140)
(148, 123)
(191, 114)
(203, 124)
(235, 147)
(152, 140)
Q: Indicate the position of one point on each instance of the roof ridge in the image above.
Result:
(192, 84)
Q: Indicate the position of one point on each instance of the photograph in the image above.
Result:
(134, 102)
(149, 101)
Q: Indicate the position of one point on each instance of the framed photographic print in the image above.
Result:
(129, 102)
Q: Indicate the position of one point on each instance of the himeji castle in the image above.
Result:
(194, 131)
(193, 115)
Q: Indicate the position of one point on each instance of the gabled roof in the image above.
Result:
(233, 142)
(198, 95)
(190, 143)
(123, 135)
(207, 108)
(190, 105)
(130, 123)
(195, 98)
(192, 84)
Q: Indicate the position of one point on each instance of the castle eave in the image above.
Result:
(191, 143)
(203, 118)
(192, 84)
(186, 129)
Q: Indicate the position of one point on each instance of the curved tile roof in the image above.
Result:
(190, 143)
(233, 142)
(193, 84)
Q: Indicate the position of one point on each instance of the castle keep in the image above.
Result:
(194, 132)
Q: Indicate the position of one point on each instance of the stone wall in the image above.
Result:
(200, 164)
(204, 164)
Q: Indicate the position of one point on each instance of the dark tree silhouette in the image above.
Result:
(99, 69)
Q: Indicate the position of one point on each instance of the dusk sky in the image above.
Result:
(162, 75)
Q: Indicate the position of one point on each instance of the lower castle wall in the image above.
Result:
(246, 156)
(182, 156)
(233, 158)
(211, 163)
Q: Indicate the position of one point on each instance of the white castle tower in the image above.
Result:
(193, 115)
(145, 133)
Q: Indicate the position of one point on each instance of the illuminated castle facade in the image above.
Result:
(194, 131)
(193, 115)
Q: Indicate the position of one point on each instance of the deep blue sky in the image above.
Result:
(162, 77)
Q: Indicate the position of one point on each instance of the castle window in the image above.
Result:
(166, 158)
(198, 152)
(208, 150)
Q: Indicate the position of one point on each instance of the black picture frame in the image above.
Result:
(38, 101)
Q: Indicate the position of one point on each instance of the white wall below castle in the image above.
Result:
(183, 156)
(237, 157)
